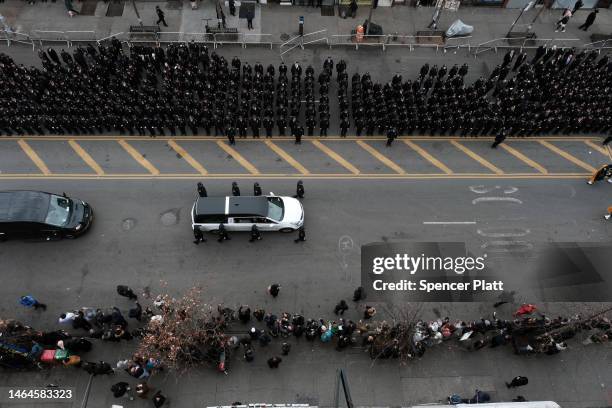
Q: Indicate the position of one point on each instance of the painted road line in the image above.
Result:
(34, 157)
(238, 157)
(287, 157)
(524, 158)
(425, 154)
(384, 159)
(601, 149)
(138, 157)
(449, 222)
(341, 160)
(567, 156)
(188, 158)
(477, 157)
(86, 157)
(327, 176)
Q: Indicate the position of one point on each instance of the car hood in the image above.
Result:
(294, 212)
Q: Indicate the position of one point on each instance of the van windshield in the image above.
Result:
(276, 209)
(59, 211)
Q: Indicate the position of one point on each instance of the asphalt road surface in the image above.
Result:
(142, 237)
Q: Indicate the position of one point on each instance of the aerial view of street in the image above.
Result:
(334, 203)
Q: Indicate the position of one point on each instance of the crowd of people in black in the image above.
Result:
(185, 88)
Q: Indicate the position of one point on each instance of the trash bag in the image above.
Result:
(459, 28)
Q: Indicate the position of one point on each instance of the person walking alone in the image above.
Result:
(499, 139)
(589, 20)
(160, 16)
(30, 301)
(250, 22)
(518, 381)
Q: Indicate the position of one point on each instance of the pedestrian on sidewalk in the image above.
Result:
(561, 24)
(369, 312)
(577, 6)
(609, 214)
(518, 381)
(127, 292)
(274, 289)
(69, 7)
(358, 294)
(301, 235)
(232, 7)
(160, 16)
(589, 22)
(341, 307)
(121, 389)
(250, 22)
(391, 135)
(30, 301)
(285, 348)
(353, 7)
(235, 189)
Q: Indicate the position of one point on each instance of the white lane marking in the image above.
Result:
(449, 222)
(479, 189)
(510, 190)
(491, 199)
(522, 233)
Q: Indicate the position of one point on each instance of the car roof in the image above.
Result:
(24, 206)
(236, 206)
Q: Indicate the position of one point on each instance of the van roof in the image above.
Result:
(233, 206)
(24, 206)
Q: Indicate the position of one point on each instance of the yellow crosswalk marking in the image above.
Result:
(523, 158)
(477, 157)
(34, 157)
(188, 158)
(86, 157)
(425, 154)
(287, 157)
(341, 160)
(567, 156)
(601, 149)
(238, 157)
(384, 159)
(138, 157)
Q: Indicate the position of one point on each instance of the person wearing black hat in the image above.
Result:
(299, 190)
(223, 235)
(499, 138)
(256, 189)
(202, 190)
(255, 234)
(301, 235)
(198, 235)
(273, 362)
(235, 189)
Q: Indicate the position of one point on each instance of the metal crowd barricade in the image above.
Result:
(82, 36)
(228, 38)
(490, 45)
(256, 39)
(49, 36)
(350, 40)
(301, 40)
(14, 37)
(116, 35)
(461, 43)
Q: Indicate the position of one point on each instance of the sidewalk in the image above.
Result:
(281, 22)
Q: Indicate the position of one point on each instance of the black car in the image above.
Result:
(40, 215)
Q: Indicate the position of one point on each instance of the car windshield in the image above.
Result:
(276, 208)
(59, 211)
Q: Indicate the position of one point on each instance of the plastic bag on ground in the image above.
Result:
(459, 28)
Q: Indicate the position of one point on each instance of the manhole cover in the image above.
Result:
(170, 217)
(284, 36)
(128, 224)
